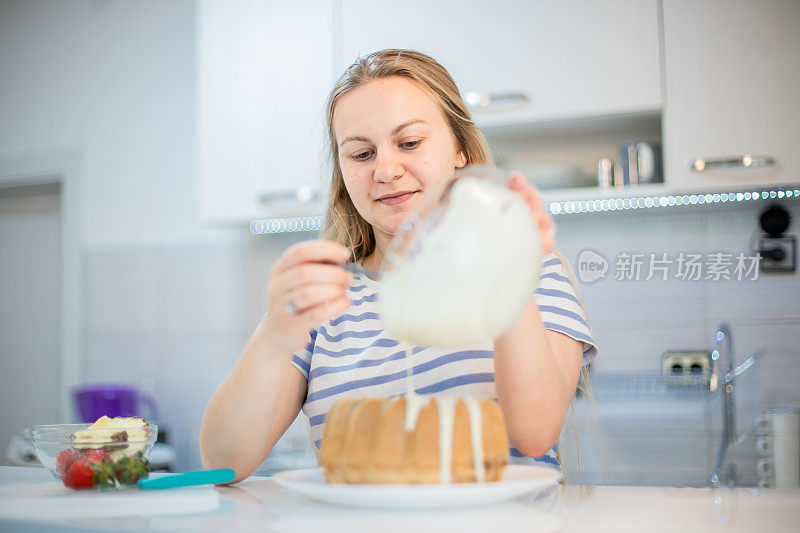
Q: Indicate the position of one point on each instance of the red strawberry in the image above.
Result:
(65, 458)
(96, 456)
(79, 475)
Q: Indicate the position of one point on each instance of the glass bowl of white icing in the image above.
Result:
(464, 264)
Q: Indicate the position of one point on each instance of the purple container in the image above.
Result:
(95, 400)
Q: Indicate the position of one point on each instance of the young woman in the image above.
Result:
(397, 126)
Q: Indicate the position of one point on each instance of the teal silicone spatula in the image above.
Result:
(187, 479)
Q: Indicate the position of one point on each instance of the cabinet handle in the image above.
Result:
(479, 100)
(744, 161)
(300, 195)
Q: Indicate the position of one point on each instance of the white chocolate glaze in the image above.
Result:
(414, 401)
(447, 410)
(414, 404)
(476, 432)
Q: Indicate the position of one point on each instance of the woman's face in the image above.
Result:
(394, 145)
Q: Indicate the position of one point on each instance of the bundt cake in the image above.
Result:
(423, 439)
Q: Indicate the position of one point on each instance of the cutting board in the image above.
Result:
(53, 501)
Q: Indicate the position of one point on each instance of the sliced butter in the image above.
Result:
(112, 434)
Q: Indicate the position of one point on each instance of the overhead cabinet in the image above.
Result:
(719, 78)
(521, 61)
(732, 86)
(264, 70)
(263, 73)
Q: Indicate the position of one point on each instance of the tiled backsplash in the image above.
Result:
(181, 313)
(634, 322)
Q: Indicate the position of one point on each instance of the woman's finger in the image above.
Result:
(544, 220)
(308, 296)
(518, 183)
(325, 310)
(316, 251)
(527, 191)
(309, 273)
(548, 239)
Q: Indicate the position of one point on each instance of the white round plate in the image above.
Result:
(517, 480)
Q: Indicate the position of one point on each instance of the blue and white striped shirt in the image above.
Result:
(352, 355)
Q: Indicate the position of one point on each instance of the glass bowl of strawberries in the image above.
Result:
(108, 454)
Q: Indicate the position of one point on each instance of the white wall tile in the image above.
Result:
(127, 356)
(771, 299)
(124, 289)
(637, 346)
(203, 285)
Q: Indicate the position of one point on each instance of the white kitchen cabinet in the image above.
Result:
(571, 59)
(263, 73)
(732, 72)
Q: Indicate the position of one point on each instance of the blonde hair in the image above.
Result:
(343, 224)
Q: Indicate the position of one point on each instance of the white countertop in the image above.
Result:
(260, 504)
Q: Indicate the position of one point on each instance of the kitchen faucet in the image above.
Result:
(726, 377)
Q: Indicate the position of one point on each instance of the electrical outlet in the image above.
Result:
(690, 365)
(778, 254)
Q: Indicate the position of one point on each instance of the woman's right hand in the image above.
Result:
(307, 286)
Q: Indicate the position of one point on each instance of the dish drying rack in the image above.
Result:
(650, 385)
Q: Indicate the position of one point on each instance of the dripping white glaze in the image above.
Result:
(476, 432)
(447, 412)
(447, 407)
(414, 404)
(414, 401)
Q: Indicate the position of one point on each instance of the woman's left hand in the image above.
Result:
(543, 219)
